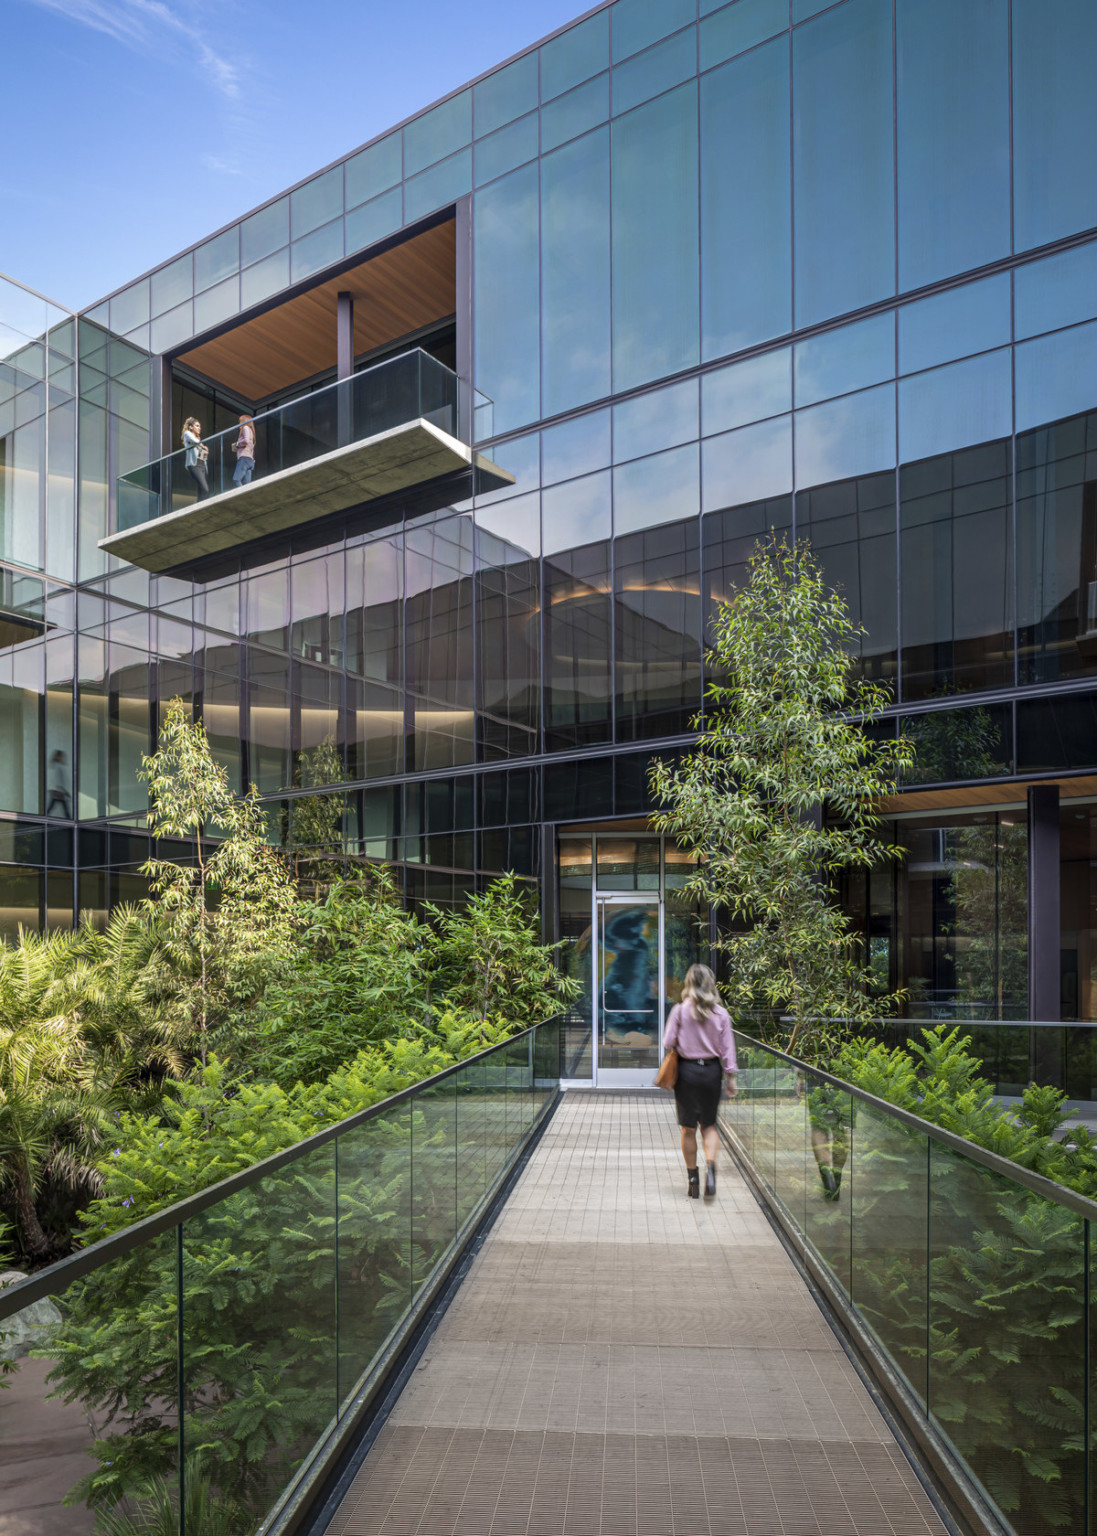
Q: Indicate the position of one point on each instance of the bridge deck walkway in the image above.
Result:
(624, 1360)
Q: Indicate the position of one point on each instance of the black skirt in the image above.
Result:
(697, 1091)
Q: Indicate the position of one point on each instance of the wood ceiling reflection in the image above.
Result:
(408, 287)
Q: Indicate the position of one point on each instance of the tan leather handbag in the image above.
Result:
(667, 1075)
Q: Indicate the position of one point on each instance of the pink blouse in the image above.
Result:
(694, 1037)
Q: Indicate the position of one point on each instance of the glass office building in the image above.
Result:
(530, 374)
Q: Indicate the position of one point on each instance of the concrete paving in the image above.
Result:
(624, 1361)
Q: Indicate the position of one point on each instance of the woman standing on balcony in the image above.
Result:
(196, 454)
(699, 1029)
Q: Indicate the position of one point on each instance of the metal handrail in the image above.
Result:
(1048, 1189)
(58, 1276)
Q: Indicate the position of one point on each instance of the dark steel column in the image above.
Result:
(463, 276)
(344, 361)
(1043, 902)
(550, 885)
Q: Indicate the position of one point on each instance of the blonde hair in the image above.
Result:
(191, 421)
(699, 988)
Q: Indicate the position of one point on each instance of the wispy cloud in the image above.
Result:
(153, 28)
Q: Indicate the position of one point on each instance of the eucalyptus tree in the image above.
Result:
(781, 796)
(229, 914)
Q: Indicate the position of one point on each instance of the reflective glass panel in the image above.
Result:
(317, 250)
(434, 1176)
(264, 278)
(130, 308)
(655, 239)
(953, 407)
(747, 465)
(217, 259)
(636, 23)
(851, 528)
(374, 220)
(575, 447)
(443, 183)
(437, 133)
(650, 73)
(264, 232)
(1057, 291)
(507, 297)
(746, 207)
(172, 284)
(853, 435)
(317, 202)
(1057, 550)
(746, 392)
(954, 517)
(737, 27)
(658, 628)
(1056, 376)
(569, 115)
(373, 171)
(575, 55)
(505, 95)
(849, 358)
(509, 621)
(660, 489)
(575, 242)
(953, 133)
(509, 147)
(577, 617)
(661, 419)
(842, 149)
(953, 324)
(1054, 120)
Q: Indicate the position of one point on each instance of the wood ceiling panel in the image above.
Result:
(404, 289)
(1008, 792)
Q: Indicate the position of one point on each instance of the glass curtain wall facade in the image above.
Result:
(828, 269)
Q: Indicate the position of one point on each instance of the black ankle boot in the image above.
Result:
(694, 1183)
(830, 1184)
(710, 1181)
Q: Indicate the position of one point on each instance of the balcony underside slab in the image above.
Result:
(392, 461)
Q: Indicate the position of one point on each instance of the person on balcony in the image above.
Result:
(197, 455)
(244, 449)
(699, 1029)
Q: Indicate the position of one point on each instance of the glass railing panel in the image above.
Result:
(1007, 1340)
(546, 1063)
(433, 1177)
(258, 1332)
(831, 1132)
(374, 1183)
(764, 1092)
(738, 1113)
(790, 1155)
(388, 395)
(888, 1167)
(519, 1058)
(89, 1421)
(472, 1139)
(495, 1111)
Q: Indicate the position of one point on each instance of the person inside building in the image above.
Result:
(699, 1029)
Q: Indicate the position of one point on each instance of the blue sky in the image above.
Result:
(142, 125)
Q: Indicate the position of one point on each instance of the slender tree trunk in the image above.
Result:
(35, 1240)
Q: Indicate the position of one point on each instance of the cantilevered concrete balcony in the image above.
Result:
(380, 432)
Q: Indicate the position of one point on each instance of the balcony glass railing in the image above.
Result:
(403, 389)
(974, 1279)
(198, 1372)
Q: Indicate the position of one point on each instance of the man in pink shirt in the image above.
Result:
(699, 1029)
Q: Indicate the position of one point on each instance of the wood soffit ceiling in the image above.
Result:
(404, 289)
(1008, 792)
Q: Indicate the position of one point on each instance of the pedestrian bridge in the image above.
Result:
(486, 1306)
(623, 1359)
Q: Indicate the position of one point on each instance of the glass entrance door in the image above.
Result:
(628, 988)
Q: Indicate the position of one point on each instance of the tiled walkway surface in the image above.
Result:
(624, 1360)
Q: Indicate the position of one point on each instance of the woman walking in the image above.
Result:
(196, 455)
(699, 1029)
